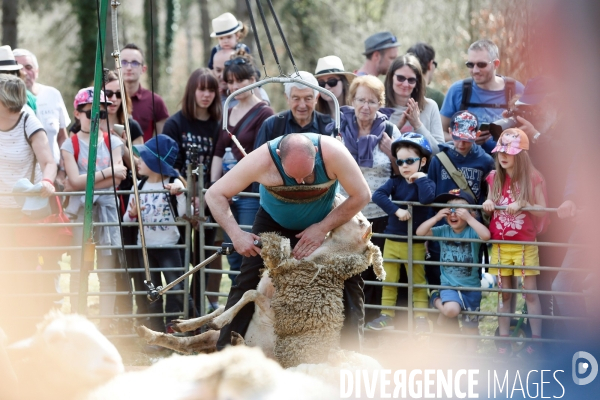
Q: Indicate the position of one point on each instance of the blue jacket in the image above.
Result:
(475, 166)
(422, 190)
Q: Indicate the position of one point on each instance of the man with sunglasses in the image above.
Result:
(148, 107)
(381, 49)
(485, 94)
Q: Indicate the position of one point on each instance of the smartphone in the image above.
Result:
(119, 129)
(484, 127)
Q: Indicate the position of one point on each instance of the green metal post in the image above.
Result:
(87, 255)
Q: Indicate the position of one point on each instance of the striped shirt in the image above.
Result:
(16, 155)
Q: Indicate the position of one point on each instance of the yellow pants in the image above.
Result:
(399, 250)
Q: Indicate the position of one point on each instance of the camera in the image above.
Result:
(499, 126)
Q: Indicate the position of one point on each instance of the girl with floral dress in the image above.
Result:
(515, 184)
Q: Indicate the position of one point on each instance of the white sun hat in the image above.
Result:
(225, 24)
(7, 60)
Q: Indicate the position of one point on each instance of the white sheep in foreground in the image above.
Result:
(235, 373)
(66, 357)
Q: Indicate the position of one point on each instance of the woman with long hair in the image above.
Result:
(195, 128)
(405, 89)
(244, 121)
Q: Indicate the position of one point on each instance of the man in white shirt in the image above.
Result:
(51, 110)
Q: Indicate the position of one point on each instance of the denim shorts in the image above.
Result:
(468, 300)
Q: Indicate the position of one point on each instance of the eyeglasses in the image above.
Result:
(236, 61)
(132, 64)
(111, 93)
(435, 63)
(402, 78)
(480, 64)
(453, 211)
(331, 82)
(409, 161)
(102, 114)
(370, 103)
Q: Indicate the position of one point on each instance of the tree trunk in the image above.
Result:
(152, 55)
(88, 34)
(10, 14)
(205, 25)
(241, 10)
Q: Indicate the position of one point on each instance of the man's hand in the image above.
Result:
(527, 127)
(403, 215)
(483, 136)
(310, 239)
(243, 243)
(568, 209)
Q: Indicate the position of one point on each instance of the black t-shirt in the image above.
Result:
(188, 133)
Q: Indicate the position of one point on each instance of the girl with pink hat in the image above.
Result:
(515, 184)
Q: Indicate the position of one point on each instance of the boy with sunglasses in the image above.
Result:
(412, 153)
(461, 224)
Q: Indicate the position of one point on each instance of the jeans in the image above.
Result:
(165, 258)
(353, 298)
(244, 211)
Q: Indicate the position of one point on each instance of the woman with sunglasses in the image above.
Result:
(368, 135)
(244, 121)
(331, 76)
(75, 155)
(413, 112)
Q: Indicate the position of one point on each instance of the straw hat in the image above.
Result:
(332, 65)
(7, 60)
(225, 24)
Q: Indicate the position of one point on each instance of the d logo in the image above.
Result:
(583, 367)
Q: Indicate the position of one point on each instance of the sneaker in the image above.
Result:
(422, 325)
(530, 351)
(383, 322)
(504, 351)
(434, 295)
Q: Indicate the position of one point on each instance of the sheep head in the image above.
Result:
(68, 345)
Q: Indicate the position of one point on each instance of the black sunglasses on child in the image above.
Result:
(409, 161)
(331, 82)
(402, 78)
(102, 114)
(110, 93)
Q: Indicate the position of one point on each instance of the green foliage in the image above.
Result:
(87, 19)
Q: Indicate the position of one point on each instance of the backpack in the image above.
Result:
(75, 142)
(467, 89)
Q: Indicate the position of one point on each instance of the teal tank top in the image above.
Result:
(297, 206)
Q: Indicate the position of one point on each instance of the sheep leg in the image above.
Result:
(206, 342)
(187, 325)
(237, 339)
(250, 296)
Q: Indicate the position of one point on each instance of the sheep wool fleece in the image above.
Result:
(307, 303)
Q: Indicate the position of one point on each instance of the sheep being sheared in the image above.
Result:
(307, 303)
(66, 357)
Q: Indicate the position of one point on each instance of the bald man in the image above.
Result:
(287, 169)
